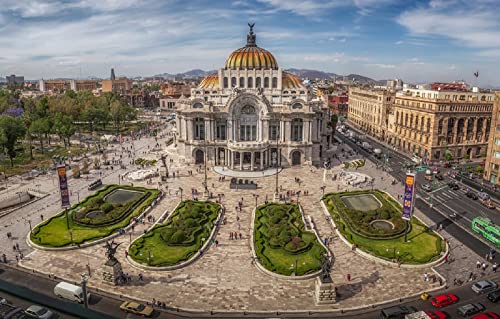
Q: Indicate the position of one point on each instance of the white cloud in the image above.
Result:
(469, 23)
(382, 66)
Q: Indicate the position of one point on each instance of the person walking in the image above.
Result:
(478, 264)
(494, 267)
(348, 277)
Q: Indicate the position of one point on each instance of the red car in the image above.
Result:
(446, 165)
(486, 315)
(444, 300)
(436, 314)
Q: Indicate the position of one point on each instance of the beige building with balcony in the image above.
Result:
(368, 110)
(251, 115)
(492, 165)
(444, 118)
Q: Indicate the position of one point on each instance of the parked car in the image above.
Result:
(470, 309)
(494, 296)
(483, 195)
(436, 314)
(435, 170)
(396, 312)
(484, 286)
(453, 186)
(69, 291)
(39, 312)
(488, 203)
(446, 165)
(482, 163)
(427, 187)
(471, 194)
(439, 177)
(137, 308)
(486, 315)
(444, 300)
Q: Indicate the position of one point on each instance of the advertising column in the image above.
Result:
(408, 198)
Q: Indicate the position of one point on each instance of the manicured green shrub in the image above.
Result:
(106, 207)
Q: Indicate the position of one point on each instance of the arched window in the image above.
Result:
(406, 119)
(199, 128)
(233, 82)
(258, 83)
(266, 82)
(296, 134)
(275, 82)
(226, 84)
(397, 118)
(411, 120)
(296, 106)
(428, 125)
(248, 126)
(242, 82)
(416, 122)
(197, 105)
(250, 82)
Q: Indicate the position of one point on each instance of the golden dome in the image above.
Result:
(290, 81)
(251, 56)
(210, 82)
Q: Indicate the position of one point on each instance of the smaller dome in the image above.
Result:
(290, 81)
(210, 82)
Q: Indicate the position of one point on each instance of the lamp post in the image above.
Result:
(298, 195)
(29, 222)
(205, 192)
(276, 190)
(256, 196)
(180, 190)
(323, 190)
(84, 290)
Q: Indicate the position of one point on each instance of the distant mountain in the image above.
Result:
(359, 78)
(312, 74)
(196, 73)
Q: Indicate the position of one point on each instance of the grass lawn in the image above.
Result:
(422, 246)
(54, 231)
(281, 242)
(179, 238)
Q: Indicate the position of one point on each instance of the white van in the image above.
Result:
(69, 291)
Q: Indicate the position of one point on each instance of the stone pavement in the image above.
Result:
(224, 278)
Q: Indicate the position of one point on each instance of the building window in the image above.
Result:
(199, 129)
(220, 132)
(297, 125)
(242, 82)
(496, 154)
(197, 105)
(258, 83)
(250, 82)
(498, 128)
(274, 129)
(226, 84)
(233, 82)
(275, 82)
(266, 82)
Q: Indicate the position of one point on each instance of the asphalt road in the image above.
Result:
(444, 202)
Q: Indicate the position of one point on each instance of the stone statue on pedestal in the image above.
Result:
(112, 272)
(326, 292)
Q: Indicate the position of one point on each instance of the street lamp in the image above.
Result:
(29, 222)
(84, 290)
(256, 196)
(276, 191)
(205, 193)
(180, 190)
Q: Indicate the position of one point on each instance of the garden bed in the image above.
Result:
(282, 243)
(179, 238)
(93, 218)
(423, 246)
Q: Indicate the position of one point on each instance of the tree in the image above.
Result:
(39, 128)
(64, 127)
(121, 112)
(11, 129)
(448, 156)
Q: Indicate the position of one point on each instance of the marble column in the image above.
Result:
(252, 160)
(261, 161)
(231, 158)
(485, 122)
(455, 131)
(474, 129)
(241, 161)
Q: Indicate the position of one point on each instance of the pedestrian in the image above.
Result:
(41, 217)
(17, 246)
(126, 254)
(348, 277)
(140, 277)
(478, 264)
(240, 236)
(494, 267)
(470, 276)
(484, 266)
(216, 243)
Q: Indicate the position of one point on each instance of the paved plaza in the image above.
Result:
(225, 278)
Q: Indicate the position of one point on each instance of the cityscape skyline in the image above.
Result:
(423, 41)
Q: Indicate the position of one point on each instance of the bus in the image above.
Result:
(487, 229)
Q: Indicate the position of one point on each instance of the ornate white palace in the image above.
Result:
(248, 111)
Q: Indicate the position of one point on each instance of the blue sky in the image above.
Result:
(418, 41)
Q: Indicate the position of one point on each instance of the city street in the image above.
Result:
(445, 201)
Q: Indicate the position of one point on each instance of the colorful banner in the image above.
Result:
(63, 185)
(409, 196)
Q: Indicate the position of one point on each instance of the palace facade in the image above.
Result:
(251, 115)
